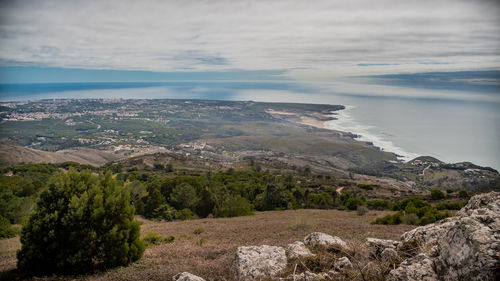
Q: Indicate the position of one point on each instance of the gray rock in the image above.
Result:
(464, 247)
(418, 268)
(322, 239)
(298, 250)
(254, 262)
(306, 276)
(468, 251)
(343, 264)
(389, 255)
(186, 276)
(377, 246)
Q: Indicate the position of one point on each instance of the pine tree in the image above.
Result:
(81, 223)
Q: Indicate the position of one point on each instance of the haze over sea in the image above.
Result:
(445, 126)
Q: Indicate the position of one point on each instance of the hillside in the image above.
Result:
(12, 154)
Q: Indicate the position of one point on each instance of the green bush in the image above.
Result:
(82, 222)
(463, 194)
(417, 202)
(198, 231)
(365, 186)
(185, 214)
(5, 229)
(153, 238)
(379, 204)
(437, 194)
(353, 203)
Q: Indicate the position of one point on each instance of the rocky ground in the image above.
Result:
(464, 247)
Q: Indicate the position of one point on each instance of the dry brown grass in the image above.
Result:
(212, 260)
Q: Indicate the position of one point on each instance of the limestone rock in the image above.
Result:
(377, 246)
(428, 233)
(186, 276)
(464, 247)
(343, 264)
(298, 250)
(254, 262)
(306, 276)
(418, 268)
(322, 239)
(389, 255)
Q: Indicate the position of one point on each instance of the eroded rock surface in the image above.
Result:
(255, 262)
(465, 247)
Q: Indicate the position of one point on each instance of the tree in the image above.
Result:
(463, 194)
(82, 222)
(184, 196)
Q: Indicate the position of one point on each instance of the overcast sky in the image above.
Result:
(305, 39)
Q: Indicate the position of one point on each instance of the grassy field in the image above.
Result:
(210, 253)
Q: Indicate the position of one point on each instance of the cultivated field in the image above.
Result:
(210, 253)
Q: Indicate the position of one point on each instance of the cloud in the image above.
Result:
(310, 39)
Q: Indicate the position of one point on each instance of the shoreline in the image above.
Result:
(344, 122)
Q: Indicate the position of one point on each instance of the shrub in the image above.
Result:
(417, 202)
(379, 204)
(5, 229)
(82, 222)
(437, 194)
(353, 203)
(362, 210)
(185, 214)
(409, 219)
(365, 186)
(463, 194)
(198, 231)
(153, 238)
(164, 212)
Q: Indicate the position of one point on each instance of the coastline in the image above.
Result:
(343, 121)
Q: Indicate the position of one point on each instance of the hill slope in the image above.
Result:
(11, 154)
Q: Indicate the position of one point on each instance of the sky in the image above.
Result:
(294, 39)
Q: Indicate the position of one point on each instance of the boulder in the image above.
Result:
(377, 246)
(255, 262)
(343, 264)
(298, 250)
(322, 239)
(418, 268)
(464, 247)
(186, 276)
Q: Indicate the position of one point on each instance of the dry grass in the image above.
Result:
(212, 260)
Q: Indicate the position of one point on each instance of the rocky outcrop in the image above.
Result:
(255, 262)
(186, 276)
(321, 239)
(464, 247)
(298, 250)
(418, 268)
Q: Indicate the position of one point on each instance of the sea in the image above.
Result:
(445, 126)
